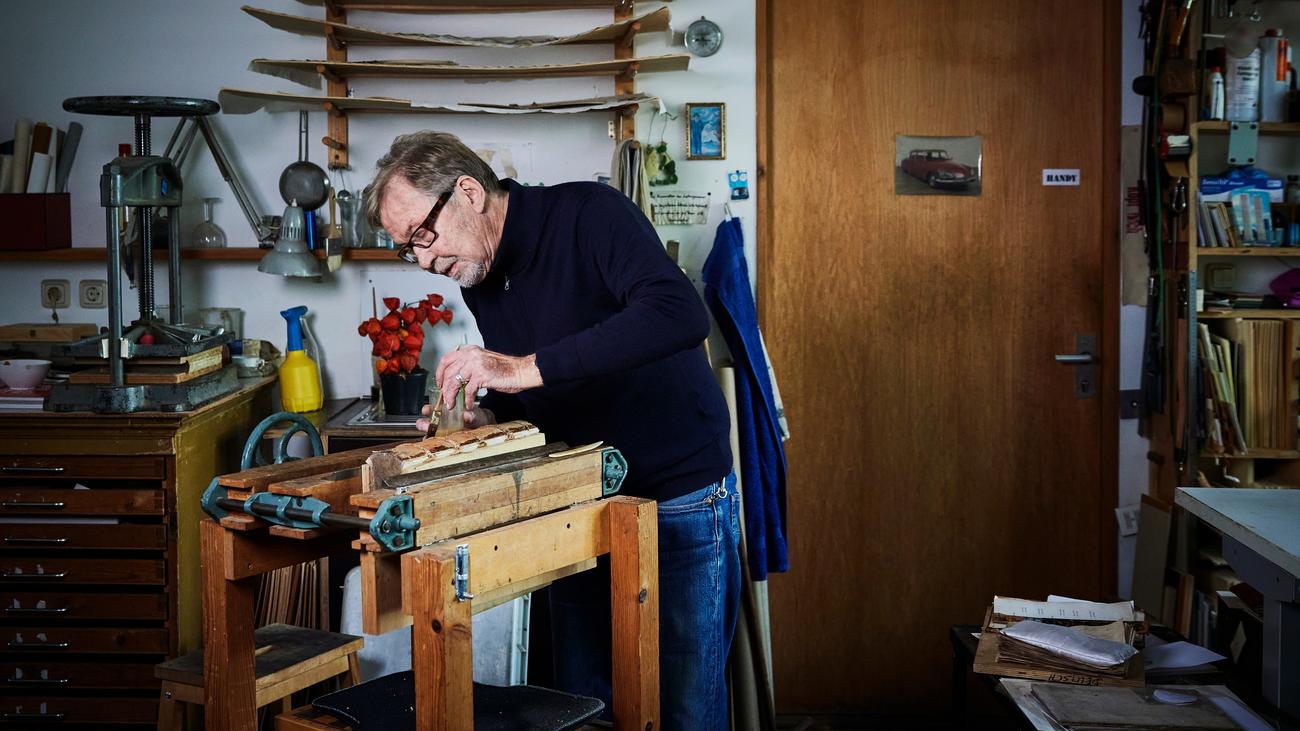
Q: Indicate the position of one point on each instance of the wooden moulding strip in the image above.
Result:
(393, 463)
(258, 478)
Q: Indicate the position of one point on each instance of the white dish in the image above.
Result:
(23, 374)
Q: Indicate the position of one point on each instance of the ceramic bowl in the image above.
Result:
(23, 374)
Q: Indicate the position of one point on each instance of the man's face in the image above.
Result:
(456, 247)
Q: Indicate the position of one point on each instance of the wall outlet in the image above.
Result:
(56, 294)
(1127, 517)
(94, 293)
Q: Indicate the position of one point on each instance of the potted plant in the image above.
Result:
(397, 338)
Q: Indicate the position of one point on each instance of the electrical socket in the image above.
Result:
(1127, 517)
(56, 294)
(94, 293)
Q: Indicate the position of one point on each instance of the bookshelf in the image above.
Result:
(1205, 374)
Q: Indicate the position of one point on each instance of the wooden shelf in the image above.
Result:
(469, 6)
(1248, 314)
(1265, 128)
(1256, 454)
(235, 253)
(307, 71)
(1256, 251)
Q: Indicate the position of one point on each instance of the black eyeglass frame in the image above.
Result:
(407, 251)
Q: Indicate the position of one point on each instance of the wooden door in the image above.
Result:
(939, 454)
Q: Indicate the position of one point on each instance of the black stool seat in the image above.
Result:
(154, 106)
(388, 704)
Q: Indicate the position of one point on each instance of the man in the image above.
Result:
(592, 333)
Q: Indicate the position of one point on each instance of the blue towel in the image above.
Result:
(762, 456)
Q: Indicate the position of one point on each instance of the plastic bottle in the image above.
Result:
(1217, 100)
(1242, 81)
(299, 377)
(1273, 78)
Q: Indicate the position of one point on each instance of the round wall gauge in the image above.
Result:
(703, 37)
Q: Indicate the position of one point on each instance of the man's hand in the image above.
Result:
(471, 418)
(475, 368)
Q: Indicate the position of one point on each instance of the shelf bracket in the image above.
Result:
(1243, 142)
(629, 35)
(328, 75)
(629, 74)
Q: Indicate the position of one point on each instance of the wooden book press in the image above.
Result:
(525, 512)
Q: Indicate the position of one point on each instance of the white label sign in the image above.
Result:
(1060, 176)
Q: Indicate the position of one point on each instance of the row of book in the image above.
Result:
(1250, 389)
(1246, 221)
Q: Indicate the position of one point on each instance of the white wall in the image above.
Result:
(195, 47)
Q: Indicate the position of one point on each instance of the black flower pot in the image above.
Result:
(403, 392)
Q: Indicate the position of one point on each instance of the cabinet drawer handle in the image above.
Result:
(36, 610)
(26, 504)
(19, 576)
(37, 681)
(36, 541)
(32, 470)
(34, 716)
(16, 645)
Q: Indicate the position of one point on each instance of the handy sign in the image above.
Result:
(1060, 176)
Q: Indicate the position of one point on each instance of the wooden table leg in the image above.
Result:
(229, 677)
(442, 647)
(634, 601)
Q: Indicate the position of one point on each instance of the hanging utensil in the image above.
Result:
(304, 181)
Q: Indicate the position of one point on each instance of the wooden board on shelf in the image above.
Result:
(247, 101)
(309, 72)
(1256, 251)
(655, 21)
(1265, 128)
(232, 253)
(47, 332)
(1248, 314)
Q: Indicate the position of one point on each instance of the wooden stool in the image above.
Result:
(288, 659)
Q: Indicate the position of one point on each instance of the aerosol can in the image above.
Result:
(300, 385)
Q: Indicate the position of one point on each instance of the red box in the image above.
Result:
(35, 221)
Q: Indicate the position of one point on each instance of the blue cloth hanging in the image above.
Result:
(762, 456)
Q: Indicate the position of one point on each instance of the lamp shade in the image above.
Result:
(290, 257)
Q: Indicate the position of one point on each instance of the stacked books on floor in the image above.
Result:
(1064, 640)
(1247, 368)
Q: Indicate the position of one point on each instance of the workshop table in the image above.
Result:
(1261, 541)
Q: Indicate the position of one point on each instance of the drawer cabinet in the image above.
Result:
(99, 573)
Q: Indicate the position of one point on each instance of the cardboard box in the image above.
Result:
(35, 221)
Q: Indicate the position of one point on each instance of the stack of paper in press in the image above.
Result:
(1078, 649)
(1065, 640)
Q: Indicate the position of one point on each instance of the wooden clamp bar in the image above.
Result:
(332, 143)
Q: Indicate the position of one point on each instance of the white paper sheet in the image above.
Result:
(1174, 655)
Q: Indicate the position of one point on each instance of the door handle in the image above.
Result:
(1084, 361)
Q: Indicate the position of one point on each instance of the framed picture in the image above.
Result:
(706, 131)
(938, 165)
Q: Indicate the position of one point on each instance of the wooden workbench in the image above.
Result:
(502, 558)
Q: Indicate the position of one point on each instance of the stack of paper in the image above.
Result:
(1083, 648)
(1247, 366)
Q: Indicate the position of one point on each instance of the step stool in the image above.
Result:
(288, 659)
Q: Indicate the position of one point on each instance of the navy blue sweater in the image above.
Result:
(581, 279)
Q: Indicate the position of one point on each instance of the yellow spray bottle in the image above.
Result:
(299, 377)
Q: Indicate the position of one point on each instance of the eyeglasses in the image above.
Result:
(407, 251)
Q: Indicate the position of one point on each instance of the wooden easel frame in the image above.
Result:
(442, 644)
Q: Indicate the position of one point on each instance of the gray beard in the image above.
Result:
(470, 274)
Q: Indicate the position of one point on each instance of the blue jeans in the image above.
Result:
(699, 594)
